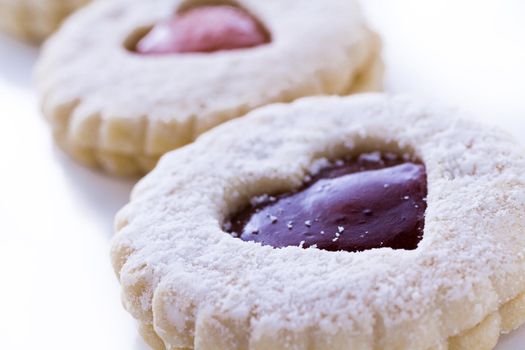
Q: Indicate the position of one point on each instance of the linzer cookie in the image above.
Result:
(365, 222)
(125, 81)
(35, 19)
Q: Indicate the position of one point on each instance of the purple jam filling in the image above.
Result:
(372, 201)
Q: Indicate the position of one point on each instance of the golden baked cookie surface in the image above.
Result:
(35, 20)
(193, 285)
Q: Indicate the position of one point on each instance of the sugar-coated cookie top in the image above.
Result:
(113, 99)
(170, 245)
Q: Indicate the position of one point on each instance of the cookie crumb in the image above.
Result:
(272, 218)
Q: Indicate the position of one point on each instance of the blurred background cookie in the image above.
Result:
(35, 19)
(124, 81)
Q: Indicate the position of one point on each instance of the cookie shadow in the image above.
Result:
(17, 53)
(140, 344)
(513, 340)
(102, 195)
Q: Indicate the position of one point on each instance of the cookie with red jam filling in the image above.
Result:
(125, 81)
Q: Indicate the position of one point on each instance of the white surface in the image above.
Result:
(58, 289)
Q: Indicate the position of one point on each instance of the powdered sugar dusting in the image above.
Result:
(469, 263)
(318, 165)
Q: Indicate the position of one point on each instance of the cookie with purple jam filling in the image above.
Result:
(365, 222)
(125, 81)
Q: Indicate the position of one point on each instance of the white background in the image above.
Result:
(57, 288)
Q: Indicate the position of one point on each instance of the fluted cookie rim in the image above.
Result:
(483, 336)
(123, 164)
(199, 286)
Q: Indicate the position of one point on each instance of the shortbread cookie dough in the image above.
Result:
(364, 222)
(125, 81)
(35, 19)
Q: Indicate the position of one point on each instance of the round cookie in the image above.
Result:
(118, 98)
(194, 283)
(35, 20)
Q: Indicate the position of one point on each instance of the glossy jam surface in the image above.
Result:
(372, 201)
(203, 29)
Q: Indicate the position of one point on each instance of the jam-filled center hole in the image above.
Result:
(204, 29)
(370, 201)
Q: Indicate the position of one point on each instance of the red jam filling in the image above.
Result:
(204, 29)
(372, 201)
